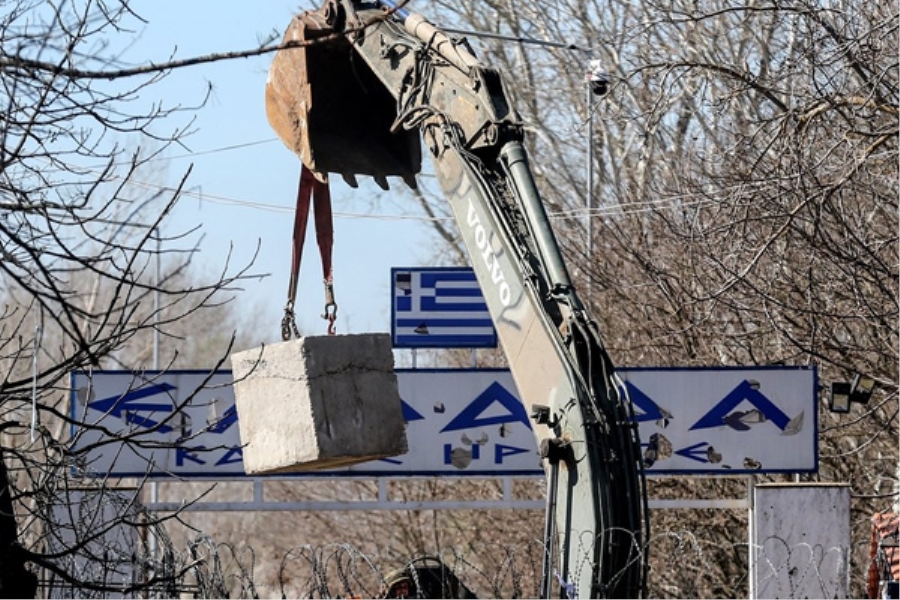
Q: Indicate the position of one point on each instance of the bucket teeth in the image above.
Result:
(382, 182)
(350, 178)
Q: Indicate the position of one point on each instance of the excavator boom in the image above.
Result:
(355, 100)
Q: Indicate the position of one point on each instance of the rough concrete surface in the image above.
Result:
(318, 402)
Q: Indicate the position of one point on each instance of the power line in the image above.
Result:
(277, 208)
(216, 150)
(683, 200)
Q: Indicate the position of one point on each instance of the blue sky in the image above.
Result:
(245, 195)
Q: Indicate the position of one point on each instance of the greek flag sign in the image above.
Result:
(439, 308)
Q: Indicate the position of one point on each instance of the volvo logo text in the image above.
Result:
(488, 256)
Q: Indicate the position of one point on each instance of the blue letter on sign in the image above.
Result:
(234, 455)
(184, 453)
(743, 392)
(500, 451)
(470, 416)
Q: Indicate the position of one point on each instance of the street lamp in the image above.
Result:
(839, 397)
(842, 394)
(861, 390)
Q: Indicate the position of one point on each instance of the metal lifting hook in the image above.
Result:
(330, 313)
(288, 322)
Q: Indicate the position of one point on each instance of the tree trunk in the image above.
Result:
(15, 580)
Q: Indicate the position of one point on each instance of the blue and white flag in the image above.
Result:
(439, 308)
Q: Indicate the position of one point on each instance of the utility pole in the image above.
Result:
(589, 164)
(597, 81)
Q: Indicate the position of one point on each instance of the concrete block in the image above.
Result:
(318, 402)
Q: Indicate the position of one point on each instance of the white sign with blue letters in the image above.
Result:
(721, 421)
(726, 421)
(458, 422)
(183, 423)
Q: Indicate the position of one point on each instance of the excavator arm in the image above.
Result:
(368, 81)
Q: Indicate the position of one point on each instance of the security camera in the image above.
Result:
(599, 87)
(598, 79)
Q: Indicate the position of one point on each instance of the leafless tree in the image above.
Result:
(742, 200)
(89, 274)
(742, 208)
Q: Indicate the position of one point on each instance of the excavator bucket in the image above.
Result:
(327, 105)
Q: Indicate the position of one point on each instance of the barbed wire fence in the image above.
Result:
(123, 550)
(681, 565)
(342, 571)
